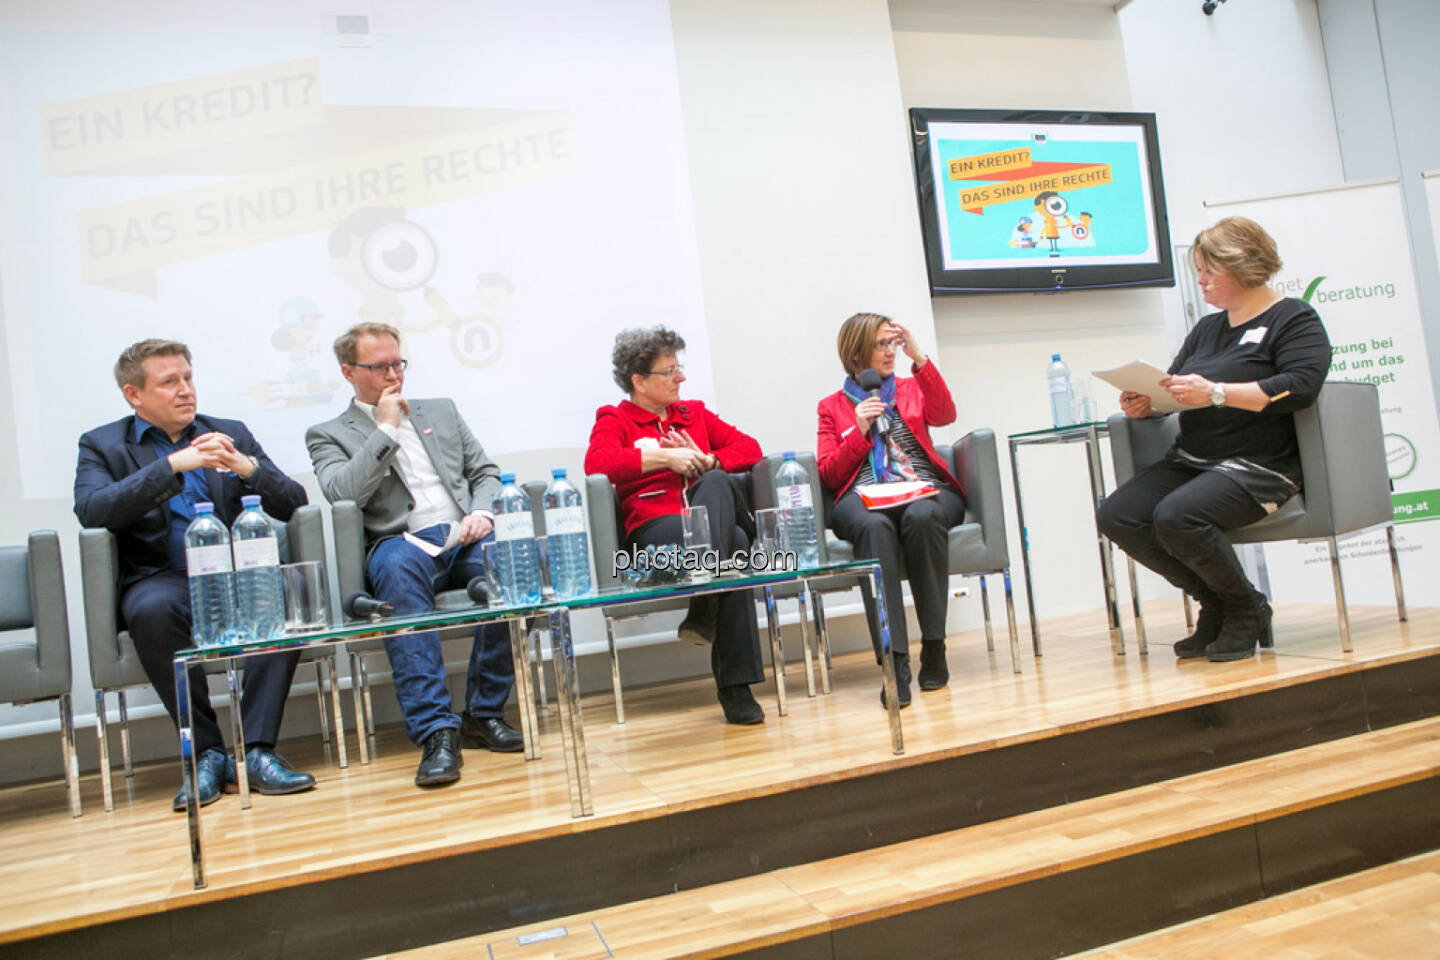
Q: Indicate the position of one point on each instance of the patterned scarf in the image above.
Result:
(887, 460)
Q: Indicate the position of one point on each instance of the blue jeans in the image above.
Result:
(402, 574)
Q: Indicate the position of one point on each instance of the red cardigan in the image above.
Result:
(841, 449)
(646, 496)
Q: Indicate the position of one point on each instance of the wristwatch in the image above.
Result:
(1217, 395)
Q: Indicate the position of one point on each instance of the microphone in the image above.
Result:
(477, 591)
(361, 606)
(870, 382)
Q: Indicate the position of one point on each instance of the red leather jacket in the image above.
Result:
(841, 449)
(644, 496)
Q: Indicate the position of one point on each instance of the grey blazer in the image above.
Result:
(355, 460)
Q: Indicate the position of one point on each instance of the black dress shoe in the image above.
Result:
(210, 774)
(490, 733)
(1207, 629)
(698, 627)
(902, 682)
(739, 705)
(440, 759)
(268, 772)
(934, 671)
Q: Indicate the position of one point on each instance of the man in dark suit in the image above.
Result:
(421, 480)
(140, 477)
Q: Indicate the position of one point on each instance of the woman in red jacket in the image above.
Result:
(654, 446)
(865, 440)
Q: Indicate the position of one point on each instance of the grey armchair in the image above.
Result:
(37, 667)
(1347, 485)
(978, 547)
(602, 507)
(114, 664)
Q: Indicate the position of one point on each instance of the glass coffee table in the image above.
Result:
(556, 614)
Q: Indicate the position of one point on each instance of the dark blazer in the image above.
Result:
(121, 485)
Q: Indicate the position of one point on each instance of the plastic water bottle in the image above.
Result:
(569, 547)
(1062, 395)
(515, 550)
(792, 493)
(259, 596)
(212, 579)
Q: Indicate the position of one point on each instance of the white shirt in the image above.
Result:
(433, 501)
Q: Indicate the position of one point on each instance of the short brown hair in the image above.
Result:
(856, 340)
(1240, 247)
(346, 345)
(130, 368)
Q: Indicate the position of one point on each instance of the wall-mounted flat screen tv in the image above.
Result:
(1030, 200)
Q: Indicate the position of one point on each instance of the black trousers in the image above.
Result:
(1173, 518)
(735, 655)
(919, 531)
(157, 614)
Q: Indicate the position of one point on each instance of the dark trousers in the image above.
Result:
(157, 614)
(918, 531)
(408, 578)
(1173, 518)
(735, 655)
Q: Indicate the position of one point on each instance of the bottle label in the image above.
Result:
(561, 520)
(796, 495)
(260, 552)
(1059, 384)
(515, 526)
(202, 560)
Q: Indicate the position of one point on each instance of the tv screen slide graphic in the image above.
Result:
(1020, 194)
(506, 184)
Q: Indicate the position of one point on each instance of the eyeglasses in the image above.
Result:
(672, 372)
(894, 343)
(397, 366)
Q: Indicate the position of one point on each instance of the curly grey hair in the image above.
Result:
(636, 349)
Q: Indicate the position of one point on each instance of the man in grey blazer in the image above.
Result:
(418, 474)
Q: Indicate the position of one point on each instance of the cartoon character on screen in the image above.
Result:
(1051, 207)
(475, 337)
(1024, 234)
(380, 254)
(296, 337)
(1080, 233)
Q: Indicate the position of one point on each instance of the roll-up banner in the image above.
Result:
(1347, 252)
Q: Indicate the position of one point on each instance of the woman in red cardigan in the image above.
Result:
(653, 446)
(866, 440)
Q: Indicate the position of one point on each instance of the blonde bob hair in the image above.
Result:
(1240, 247)
(856, 341)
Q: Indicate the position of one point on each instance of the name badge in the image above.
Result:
(1253, 336)
(647, 443)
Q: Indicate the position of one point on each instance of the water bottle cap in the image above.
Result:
(788, 455)
(557, 472)
(204, 508)
(1054, 356)
(507, 478)
(250, 500)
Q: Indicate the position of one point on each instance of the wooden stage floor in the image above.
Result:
(674, 754)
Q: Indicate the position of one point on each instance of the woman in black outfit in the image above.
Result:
(1243, 372)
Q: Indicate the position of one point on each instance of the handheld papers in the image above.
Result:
(1137, 376)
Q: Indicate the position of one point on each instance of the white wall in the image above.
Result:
(1242, 99)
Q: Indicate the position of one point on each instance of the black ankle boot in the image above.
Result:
(934, 671)
(1239, 634)
(1207, 628)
